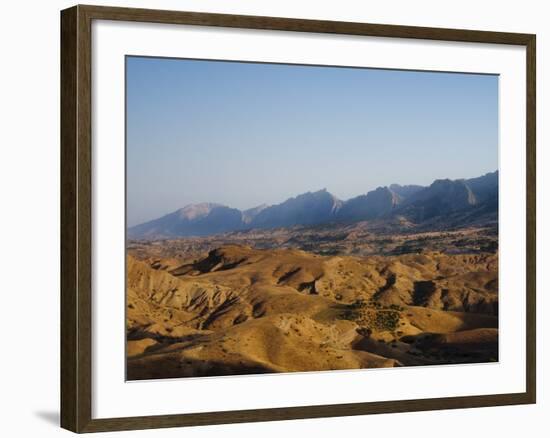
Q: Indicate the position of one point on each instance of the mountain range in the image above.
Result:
(418, 204)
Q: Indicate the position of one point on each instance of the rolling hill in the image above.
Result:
(240, 310)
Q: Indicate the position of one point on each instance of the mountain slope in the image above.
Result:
(306, 209)
(405, 191)
(441, 197)
(251, 213)
(445, 197)
(460, 201)
(485, 187)
(192, 220)
(374, 204)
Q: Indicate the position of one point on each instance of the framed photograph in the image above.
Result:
(271, 218)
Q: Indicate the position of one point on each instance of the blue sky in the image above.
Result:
(242, 134)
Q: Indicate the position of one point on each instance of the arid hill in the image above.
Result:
(240, 310)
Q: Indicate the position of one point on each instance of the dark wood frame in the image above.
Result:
(76, 335)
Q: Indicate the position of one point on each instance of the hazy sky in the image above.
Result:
(242, 134)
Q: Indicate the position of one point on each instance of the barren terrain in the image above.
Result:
(310, 299)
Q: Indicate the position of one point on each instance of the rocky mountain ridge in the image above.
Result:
(444, 198)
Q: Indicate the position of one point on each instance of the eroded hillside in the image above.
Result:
(240, 310)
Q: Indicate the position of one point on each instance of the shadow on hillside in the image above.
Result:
(172, 366)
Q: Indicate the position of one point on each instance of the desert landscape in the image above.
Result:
(295, 218)
(398, 276)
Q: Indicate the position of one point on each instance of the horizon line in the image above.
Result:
(324, 189)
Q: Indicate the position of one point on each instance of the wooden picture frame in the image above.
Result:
(76, 218)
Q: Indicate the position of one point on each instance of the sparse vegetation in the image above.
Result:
(222, 304)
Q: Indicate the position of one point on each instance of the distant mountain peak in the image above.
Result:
(374, 204)
(404, 191)
(412, 203)
(304, 209)
(194, 211)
